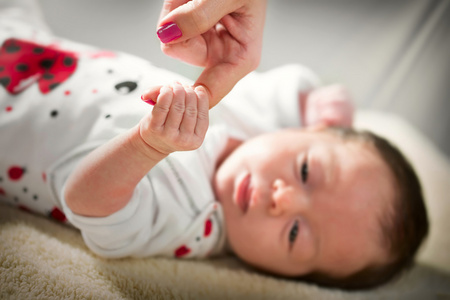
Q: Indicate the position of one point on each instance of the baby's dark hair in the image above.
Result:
(403, 229)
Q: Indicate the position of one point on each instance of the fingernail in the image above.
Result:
(150, 101)
(168, 32)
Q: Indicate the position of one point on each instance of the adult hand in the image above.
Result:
(222, 36)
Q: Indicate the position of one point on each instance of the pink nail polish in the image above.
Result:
(168, 32)
(150, 101)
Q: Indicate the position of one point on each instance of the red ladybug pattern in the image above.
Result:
(58, 215)
(24, 208)
(26, 63)
(15, 173)
(208, 228)
(192, 246)
(23, 63)
(182, 251)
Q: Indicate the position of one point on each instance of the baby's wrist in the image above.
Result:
(139, 145)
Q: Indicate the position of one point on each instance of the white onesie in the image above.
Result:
(59, 100)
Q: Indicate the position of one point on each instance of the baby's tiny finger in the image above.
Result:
(190, 115)
(150, 95)
(162, 108)
(177, 107)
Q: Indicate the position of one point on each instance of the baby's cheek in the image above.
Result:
(252, 240)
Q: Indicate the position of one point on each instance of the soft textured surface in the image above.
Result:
(41, 259)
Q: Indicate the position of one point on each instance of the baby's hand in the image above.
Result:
(330, 105)
(179, 119)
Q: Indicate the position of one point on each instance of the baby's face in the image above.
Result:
(301, 201)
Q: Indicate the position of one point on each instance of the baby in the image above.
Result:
(334, 206)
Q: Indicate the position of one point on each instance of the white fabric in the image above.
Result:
(45, 133)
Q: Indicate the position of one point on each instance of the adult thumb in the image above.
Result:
(193, 18)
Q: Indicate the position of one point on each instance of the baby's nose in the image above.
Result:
(282, 197)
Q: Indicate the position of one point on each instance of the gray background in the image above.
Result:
(392, 54)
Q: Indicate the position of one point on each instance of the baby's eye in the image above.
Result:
(293, 233)
(304, 172)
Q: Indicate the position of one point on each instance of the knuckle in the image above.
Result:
(178, 107)
(203, 115)
(160, 110)
(199, 17)
(190, 112)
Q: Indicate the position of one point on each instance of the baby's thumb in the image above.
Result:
(192, 19)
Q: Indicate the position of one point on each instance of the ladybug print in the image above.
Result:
(24, 208)
(23, 63)
(208, 228)
(58, 215)
(16, 173)
(182, 251)
(199, 241)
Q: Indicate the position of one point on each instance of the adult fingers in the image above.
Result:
(192, 18)
(219, 80)
(193, 51)
(168, 6)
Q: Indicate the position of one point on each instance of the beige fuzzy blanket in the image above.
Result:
(41, 259)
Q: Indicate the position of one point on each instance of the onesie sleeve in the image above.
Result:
(127, 232)
(123, 233)
(264, 102)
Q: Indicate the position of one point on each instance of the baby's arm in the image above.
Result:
(328, 105)
(105, 180)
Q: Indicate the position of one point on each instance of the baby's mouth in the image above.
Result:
(243, 193)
